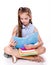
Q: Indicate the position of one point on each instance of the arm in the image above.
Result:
(14, 33)
(39, 42)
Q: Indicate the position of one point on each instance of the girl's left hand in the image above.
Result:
(28, 47)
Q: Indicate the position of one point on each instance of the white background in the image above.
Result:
(40, 17)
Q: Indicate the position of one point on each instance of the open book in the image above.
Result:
(30, 39)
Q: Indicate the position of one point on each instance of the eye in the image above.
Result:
(21, 18)
(26, 18)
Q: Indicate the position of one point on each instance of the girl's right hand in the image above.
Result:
(12, 43)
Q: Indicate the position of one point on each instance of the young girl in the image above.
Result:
(24, 28)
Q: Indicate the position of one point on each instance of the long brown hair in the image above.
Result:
(22, 10)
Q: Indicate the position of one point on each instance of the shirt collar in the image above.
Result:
(23, 26)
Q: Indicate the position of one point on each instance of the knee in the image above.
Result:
(44, 49)
(7, 49)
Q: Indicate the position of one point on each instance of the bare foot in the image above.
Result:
(33, 58)
(38, 59)
(14, 59)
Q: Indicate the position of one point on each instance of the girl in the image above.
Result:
(24, 28)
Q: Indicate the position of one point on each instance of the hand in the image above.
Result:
(28, 47)
(12, 43)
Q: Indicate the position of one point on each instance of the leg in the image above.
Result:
(14, 52)
(10, 51)
(38, 58)
(41, 50)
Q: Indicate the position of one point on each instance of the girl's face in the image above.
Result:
(24, 18)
